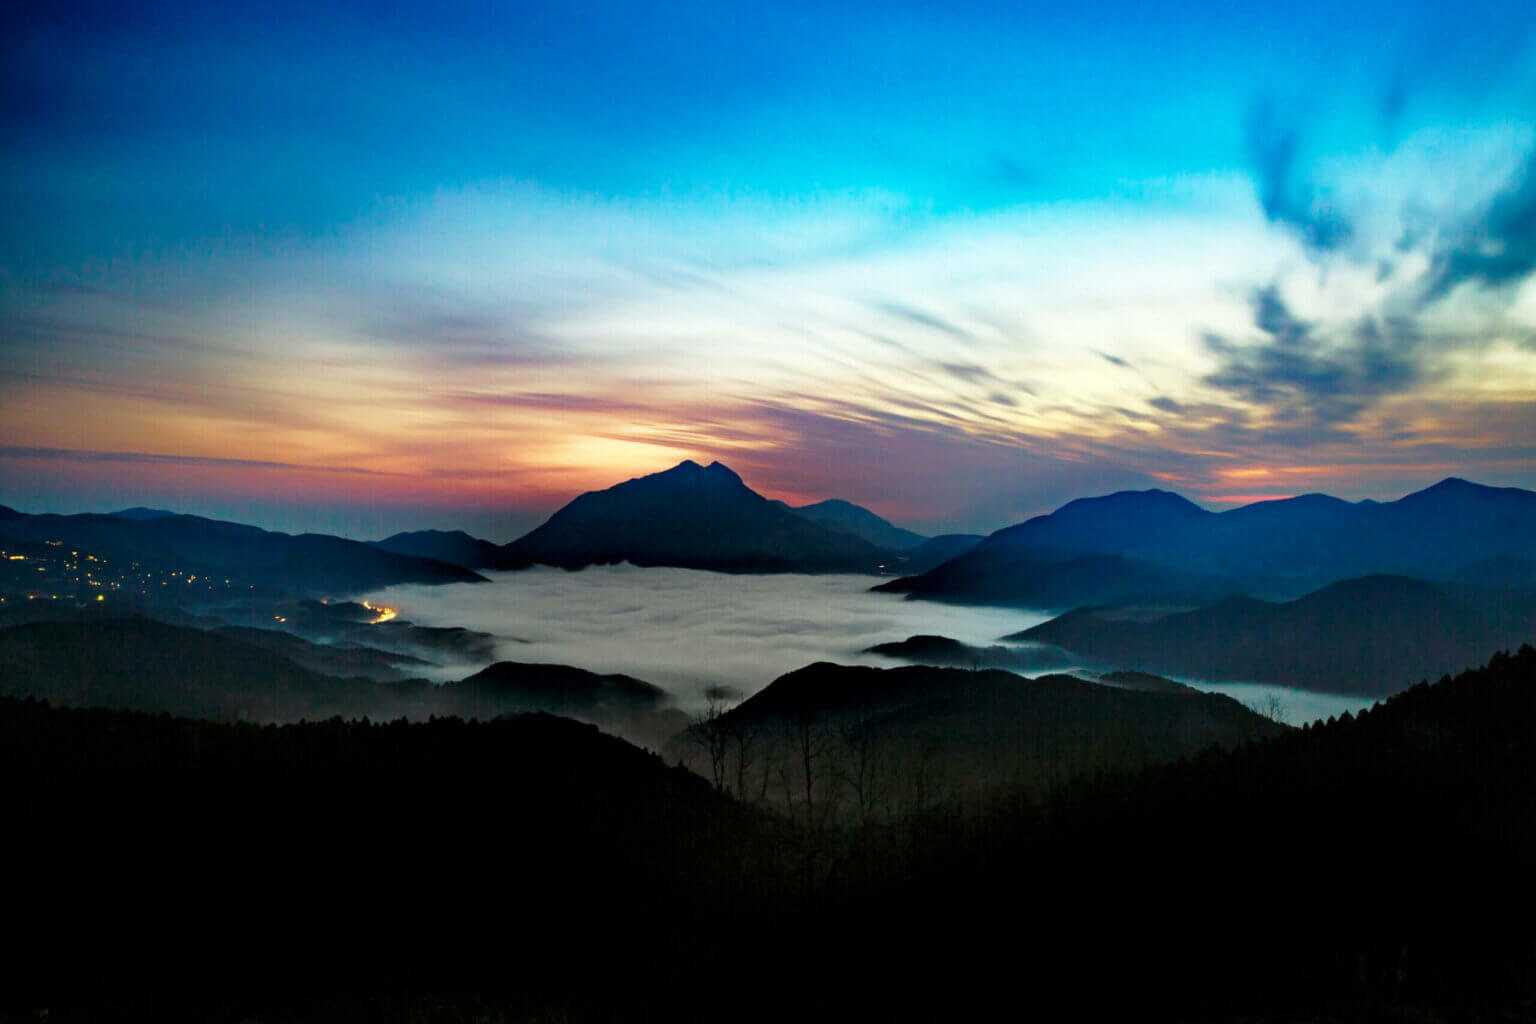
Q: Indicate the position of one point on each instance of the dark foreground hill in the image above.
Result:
(1369, 636)
(835, 742)
(692, 517)
(1370, 869)
(306, 563)
(182, 860)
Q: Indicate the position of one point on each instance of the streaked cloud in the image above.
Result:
(962, 296)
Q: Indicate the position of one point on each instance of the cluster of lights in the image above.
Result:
(382, 613)
(74, 571)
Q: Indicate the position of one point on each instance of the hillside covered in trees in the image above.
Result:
(1375, 867)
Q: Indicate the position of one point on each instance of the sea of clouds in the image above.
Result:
(686, 630)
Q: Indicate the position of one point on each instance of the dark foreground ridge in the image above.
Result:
(1372, 868)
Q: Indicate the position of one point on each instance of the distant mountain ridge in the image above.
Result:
(1369, 636)
(452, 546)
(1170, 547)
(309, 562)
(859, 521)
(694, 517)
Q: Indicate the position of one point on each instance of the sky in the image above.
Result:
(368, 267)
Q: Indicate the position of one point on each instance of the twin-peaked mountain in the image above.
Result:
(691, 516)
(696, 517)
(1155, 545)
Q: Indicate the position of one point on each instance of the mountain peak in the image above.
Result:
(691, 471)
(1454, 487)
(140, 512)
(690, 516)
(1152, 496)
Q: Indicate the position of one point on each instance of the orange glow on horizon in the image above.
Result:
(1245, 499)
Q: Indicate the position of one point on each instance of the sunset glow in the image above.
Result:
(1054, 273)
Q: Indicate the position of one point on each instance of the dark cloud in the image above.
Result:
(925, 319)
(1501, 247)
(1311, 382)
(1166, 404)
(1288, 198)
(1116, 360)
(970, 373)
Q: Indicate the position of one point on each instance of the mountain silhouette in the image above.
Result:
(1369, 636)
(560, 687)
(943, 651)
(1124, 523)
(452, 546)
(1279, 548)
(999, 575)
(847, 517)
(936, 551)
(140, 512)
(309, 562)
(694, 517)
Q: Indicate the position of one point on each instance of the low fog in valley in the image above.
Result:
(685, 630)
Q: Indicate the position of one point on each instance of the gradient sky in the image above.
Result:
(363, 267)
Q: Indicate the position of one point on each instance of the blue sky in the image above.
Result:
(448, 264)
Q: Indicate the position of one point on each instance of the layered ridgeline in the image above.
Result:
(1370, 636)
(697, 517)
(1157, 546)
(693, 517)
(306, 563)
(305, 862)
(242, 674)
